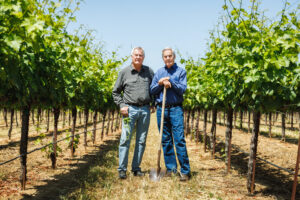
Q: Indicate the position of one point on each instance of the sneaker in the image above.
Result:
(185, 177)
(122, 175)
(138, 173)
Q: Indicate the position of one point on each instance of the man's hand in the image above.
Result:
(124, 111)
(167, 84)
(152, 109)
(161, 81)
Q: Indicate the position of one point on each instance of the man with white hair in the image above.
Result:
(173, 78)
(132, 94)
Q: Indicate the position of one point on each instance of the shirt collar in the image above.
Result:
(133, 69)
(172, 67)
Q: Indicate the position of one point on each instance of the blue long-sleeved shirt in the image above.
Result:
(178, 81)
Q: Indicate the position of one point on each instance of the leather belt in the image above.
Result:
(170, 105)
(138, 105)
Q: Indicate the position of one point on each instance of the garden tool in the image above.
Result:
(157, 174)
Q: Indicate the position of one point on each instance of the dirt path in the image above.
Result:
(92, 174)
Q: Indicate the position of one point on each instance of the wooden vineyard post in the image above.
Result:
(103, 124)
(292, 120)
(192, 124)
(188, 122)
(64, 118)
(23, 145)
(86, 119)
(79, 113)
(17, 118)
(39, 116)
(266, 119)
(249, 120)
(74, 116)
(197, 125)
(70, 115)
(48, 120)
(108, 123)
(112, 120)
(11, 123)
(54, 140)
(253, 151)
(270, 124)
(32, 117)
(213, 133)
(204, 129)
(241, 119)
(235, 116)
(95, 126)
(5, 116)
(117, 121)
(228, 139)
(283, 126)
(297, 168)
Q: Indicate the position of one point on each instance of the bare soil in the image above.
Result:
(92, 173)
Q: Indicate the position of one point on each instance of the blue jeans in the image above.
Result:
(141, 117)
(173, 133)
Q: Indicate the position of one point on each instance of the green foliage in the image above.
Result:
(49, 150)
(251, 63)
(75, 141)
(40, 138)
(41, 64)
(127, 122)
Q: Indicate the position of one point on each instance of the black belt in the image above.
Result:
(138, 105)
(170, 105)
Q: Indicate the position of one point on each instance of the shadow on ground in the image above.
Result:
(63, 185)
(47, 134)
(275, 181)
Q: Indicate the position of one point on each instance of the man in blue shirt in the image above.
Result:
(174, 79)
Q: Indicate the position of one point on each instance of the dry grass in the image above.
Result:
(92, 174)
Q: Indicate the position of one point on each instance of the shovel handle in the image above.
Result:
(161, 128)
(163, 112)
(158, 161)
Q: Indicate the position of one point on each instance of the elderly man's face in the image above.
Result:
(168, 58)
(137, 57)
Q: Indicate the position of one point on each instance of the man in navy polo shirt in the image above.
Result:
(174, 79)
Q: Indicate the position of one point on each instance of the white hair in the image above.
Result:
(168, 48)
(138, 48)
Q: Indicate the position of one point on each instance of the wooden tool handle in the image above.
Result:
(161, 129)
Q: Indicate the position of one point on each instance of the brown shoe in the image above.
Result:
(185, 177)
(168, 174)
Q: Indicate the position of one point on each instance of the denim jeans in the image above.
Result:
(139, 116)
(173, 133)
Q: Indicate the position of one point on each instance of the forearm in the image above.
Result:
(179, 88)
(117, 91)
(118, 99)
(156, 89)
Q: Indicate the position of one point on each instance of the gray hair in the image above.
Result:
(168, 48)
(138, 48)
